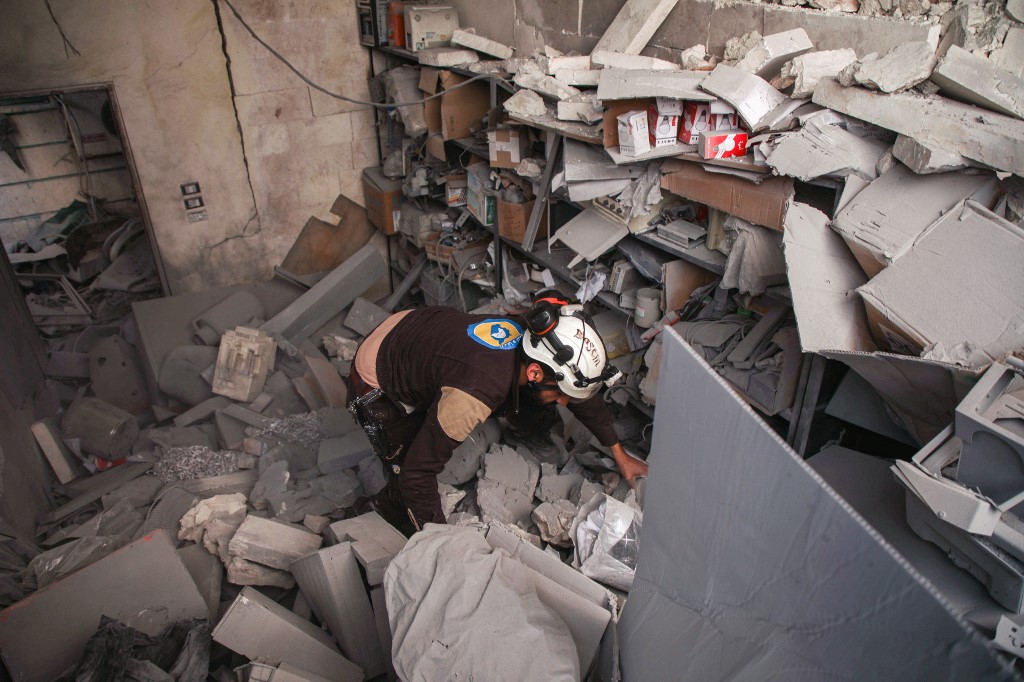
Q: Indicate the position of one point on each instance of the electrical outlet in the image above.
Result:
(193, 202)
(189, 188)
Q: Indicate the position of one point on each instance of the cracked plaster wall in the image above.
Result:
(285, 156)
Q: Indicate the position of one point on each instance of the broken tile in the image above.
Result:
(903, 67)
(554, 519)
(807, 69)
(752, 97)
(481, 44)
(632, 83)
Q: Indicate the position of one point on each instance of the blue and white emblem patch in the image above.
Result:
(497, 334)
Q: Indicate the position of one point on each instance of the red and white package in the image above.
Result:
(722, 144)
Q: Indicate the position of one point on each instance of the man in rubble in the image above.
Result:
(424, 379)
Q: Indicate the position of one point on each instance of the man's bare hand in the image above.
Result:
(629, 467)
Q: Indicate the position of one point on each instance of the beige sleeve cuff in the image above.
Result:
(459, 413)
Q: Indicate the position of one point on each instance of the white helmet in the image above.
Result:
(563, 338)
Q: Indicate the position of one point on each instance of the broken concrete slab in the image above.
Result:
(553, 486)
(618, 60)
(634, 25)
(569, 63)
(244, 572)
(213, 522)
(554, 519)
(247, 416)
(446, 57)
(65, 465)
(326, 298)
(902, 68)
(525, 103)
(1011, 55)
(338, 454)
(272, 543)
(924, 158)
(144, 585)
(989, 138)
(380, 617)
(331, 582)
(583, 107)
(532, 77)
(316, 524)
(767, 56)
(257, 627)
(618, 84)
(450, 498)
(752, 97)
(375, 542)
(138, 492)
(971, 78)
(886, 218)
(273, 481)
(807, 69)
(820, 149)
(586, 78)
(479, 43)
(1015, 8)
(230, 431)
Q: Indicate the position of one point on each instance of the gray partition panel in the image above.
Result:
(752, 568)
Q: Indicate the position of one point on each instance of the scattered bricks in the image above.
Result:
(444, 57)
(213, 521)
(807, 69)
(525, 103)
(563, 63)
(634, 25)
(333, 586)
(924, 158)
(583, 108)
(245, 359)
(977, 80)
(338, 454)
(316, 524)
(450, 498)
(244, 572)
(617, 60)
(903, 67)
(374, 541)
(765, 59)
(473, 41)
(752, 97)
(272, 543)
(256, 626)
(532, 77)
(554, 519)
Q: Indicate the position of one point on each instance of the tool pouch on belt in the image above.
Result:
(388, 427)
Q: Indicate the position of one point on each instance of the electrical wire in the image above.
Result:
(319, 88)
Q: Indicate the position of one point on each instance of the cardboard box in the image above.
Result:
(958, 288)
(507, 147)
(455, 189)
(429, 26)
(695, 119)
(722, 144)
(763, 204)
(634, 138)
(480, 198)
(514, 218)
(382, 197)
(663, 120)
(823, 276)
(457, 113)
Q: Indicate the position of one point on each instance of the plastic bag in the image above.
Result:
(607, 533)
(403, 85)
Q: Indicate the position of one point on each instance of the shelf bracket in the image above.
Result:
(541, 205)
